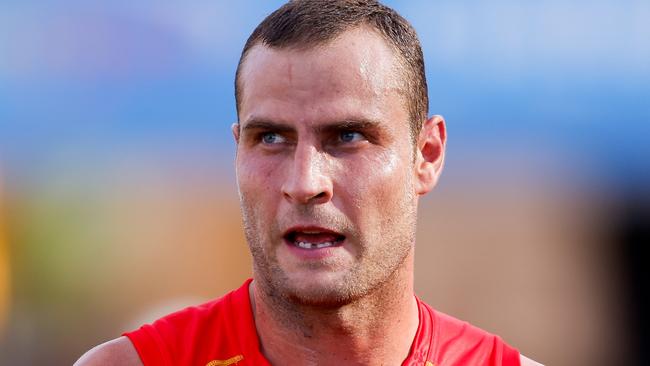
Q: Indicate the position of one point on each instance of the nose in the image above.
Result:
(308, 181)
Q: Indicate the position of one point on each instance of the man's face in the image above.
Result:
(325, 168)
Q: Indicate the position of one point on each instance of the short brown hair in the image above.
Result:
(307, 23)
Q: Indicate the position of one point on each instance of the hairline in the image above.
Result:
(401, 67)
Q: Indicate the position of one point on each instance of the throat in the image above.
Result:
(373, 332)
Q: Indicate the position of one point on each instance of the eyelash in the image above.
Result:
(338, 137)
(262, 136)
(350, 132)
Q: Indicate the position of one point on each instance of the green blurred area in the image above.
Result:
(89, 260)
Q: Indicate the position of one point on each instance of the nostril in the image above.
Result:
(305, 188)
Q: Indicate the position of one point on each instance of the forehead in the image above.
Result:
(358, 72)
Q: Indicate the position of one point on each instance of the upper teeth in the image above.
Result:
(307, 245)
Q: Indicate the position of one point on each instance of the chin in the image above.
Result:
(325, 291)
(321, 297)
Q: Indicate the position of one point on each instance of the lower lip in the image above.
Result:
(313, 254)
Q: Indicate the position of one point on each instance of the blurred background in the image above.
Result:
(118, 201)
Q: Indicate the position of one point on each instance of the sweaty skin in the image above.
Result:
(304, 174)
(324, 147)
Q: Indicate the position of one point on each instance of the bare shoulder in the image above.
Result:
(119, 351)
(525, 361)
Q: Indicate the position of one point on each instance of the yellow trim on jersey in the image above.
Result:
(228, 362)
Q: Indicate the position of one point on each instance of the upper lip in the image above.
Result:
(310, 229)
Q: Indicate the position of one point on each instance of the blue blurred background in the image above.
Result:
(117, 193)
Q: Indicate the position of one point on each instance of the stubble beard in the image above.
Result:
(379, 259)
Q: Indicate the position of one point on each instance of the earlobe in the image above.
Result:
(430, 154)
(235, 131)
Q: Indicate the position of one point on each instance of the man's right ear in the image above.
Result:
(235, 131)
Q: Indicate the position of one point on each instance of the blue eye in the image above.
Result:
(272, 138)
(350, 136)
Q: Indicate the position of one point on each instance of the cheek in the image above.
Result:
(256, 173)
(381, 181)
(383, 172)
(257, 180)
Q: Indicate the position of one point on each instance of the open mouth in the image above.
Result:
(315, 238)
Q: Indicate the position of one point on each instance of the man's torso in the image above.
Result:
(222, 332)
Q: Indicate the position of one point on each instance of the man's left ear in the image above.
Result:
(430, 154)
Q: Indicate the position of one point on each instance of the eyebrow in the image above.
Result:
(256, 124)
(352, 124)
(348, 124)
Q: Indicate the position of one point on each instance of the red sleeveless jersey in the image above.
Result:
(222, 332)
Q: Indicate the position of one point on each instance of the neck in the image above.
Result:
(377, 329)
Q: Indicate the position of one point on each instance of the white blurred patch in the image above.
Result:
(498, 38)
(109, 40)
(508, 37)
